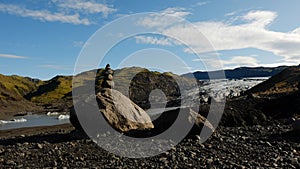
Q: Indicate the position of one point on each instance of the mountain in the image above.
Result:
(12, 91)
(276, 98)
(237, 73)
(280, 94)
(23, 94)
(53, 94)
(283, 83)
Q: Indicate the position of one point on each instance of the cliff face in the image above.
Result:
(144, 83)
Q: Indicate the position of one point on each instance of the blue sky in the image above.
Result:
(42, 39)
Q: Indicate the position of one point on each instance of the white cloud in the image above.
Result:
(260, 19)
(231, 13)
(176, 12)
(164, 18)
(252, 32)
(201, 3)
(12, 56)
(43, 15)
(85, 6)
(296, 31)
(154, 40)
(233, 62)
(241, 61)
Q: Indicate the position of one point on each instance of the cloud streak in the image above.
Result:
(9, 56)
(202, 3)
(164, 18)
(44, 15)
(86, 6)
(154, 40)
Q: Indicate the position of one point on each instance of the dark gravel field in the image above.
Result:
(271, 146)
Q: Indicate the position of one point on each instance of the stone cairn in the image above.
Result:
(108, 78)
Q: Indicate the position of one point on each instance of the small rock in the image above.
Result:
(294, 161)
(2, 151)
(40, 146)
(269, 144)
(163, 159)
(10, 162)
(54, 163)
(209, 160)
(22, 154)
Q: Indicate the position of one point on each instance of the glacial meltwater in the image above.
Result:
(34, 120)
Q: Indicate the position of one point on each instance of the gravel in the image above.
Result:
(271, 146)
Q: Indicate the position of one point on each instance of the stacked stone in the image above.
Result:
(108, 77)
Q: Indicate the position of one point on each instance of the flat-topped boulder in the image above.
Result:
(165, 120)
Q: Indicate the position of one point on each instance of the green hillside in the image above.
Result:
(52, 91)
(12, 91)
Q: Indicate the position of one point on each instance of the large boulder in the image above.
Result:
(121, 112)
(118, 110)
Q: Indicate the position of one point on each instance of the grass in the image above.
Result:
(52, 90)
(17, 86)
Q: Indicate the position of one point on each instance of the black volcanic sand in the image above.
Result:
(272, 146)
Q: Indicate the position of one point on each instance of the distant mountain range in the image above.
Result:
(237, 73)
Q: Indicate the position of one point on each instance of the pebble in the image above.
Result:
(243, 147)
(40, 146)
(2, 150)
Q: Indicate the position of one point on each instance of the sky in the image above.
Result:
(42, 39)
